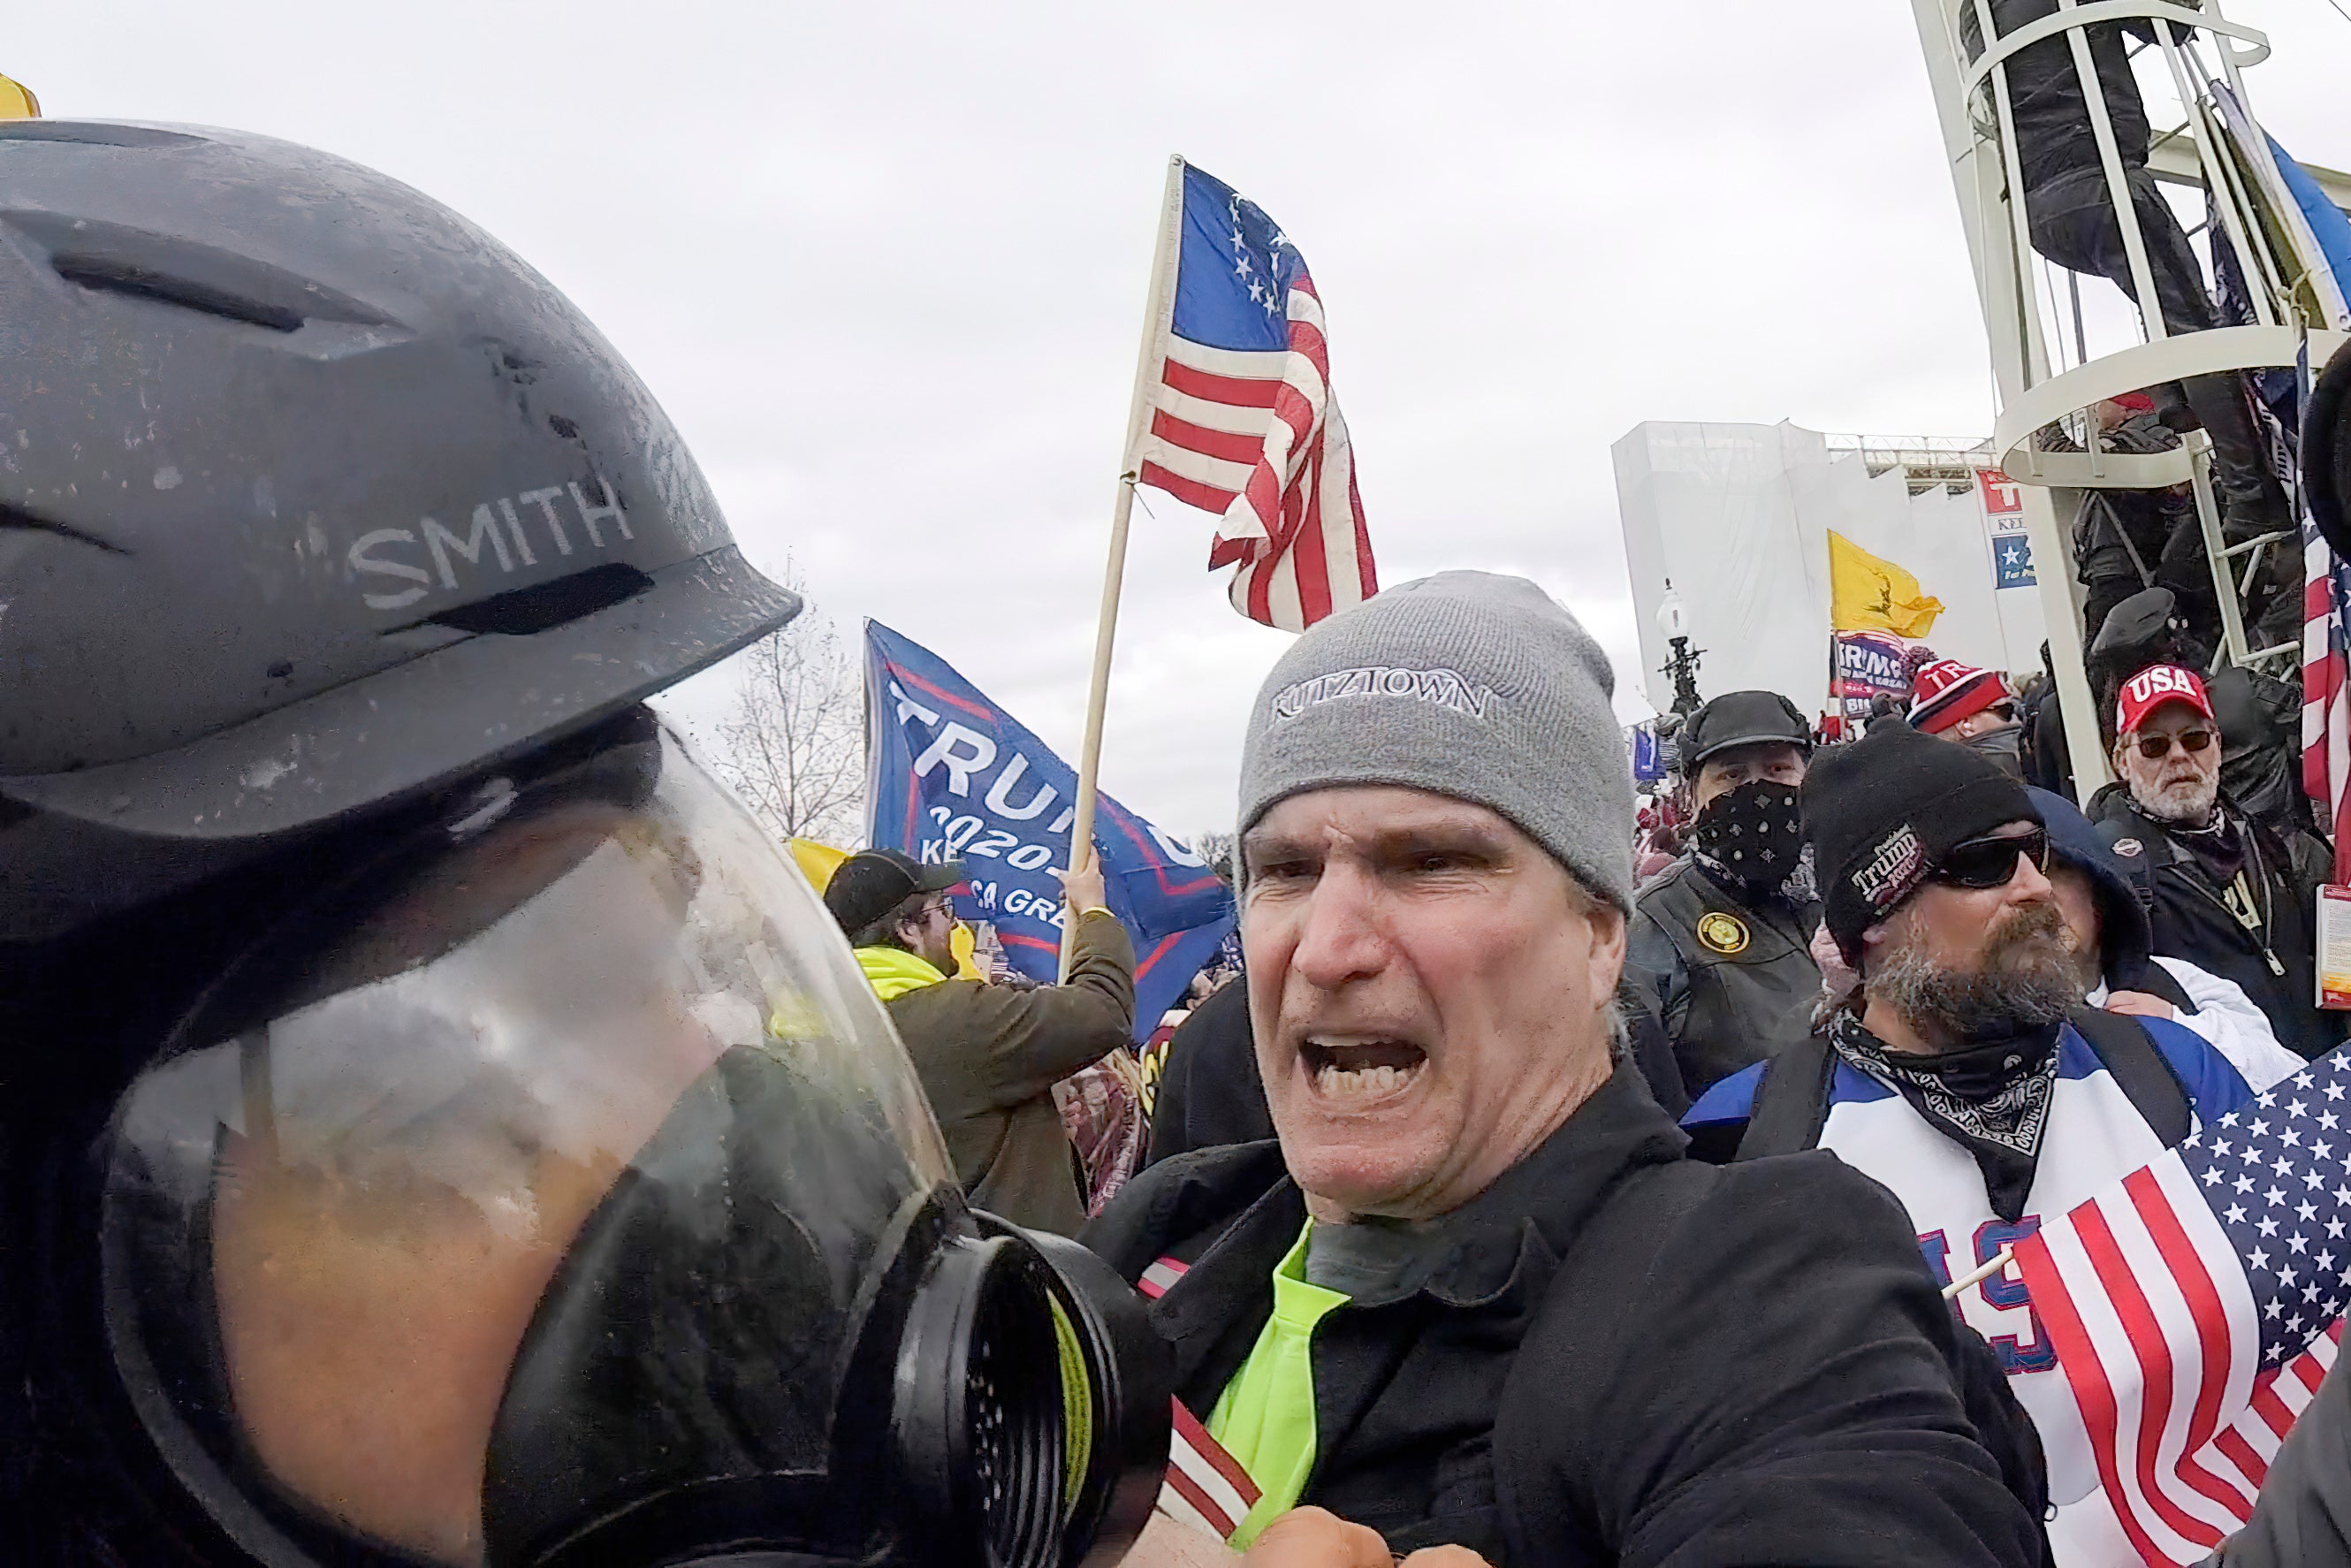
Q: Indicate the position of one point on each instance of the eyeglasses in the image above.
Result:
(2156, 746)
(1990, 863)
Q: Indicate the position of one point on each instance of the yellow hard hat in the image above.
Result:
(17, 102)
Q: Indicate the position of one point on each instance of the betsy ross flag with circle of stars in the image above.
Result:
(1242, 420)
(2196, 1304)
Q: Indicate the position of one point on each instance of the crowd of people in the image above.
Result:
(1987, 1001)
(442, 1127)
(1896, 949)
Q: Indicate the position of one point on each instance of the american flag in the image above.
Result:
(2195, 1305)
(2325, 675)
(1242, 420)
(2326, 702)
(1205, 1486)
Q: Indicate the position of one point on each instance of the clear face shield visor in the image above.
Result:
(555, 1189)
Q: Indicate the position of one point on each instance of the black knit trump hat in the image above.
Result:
(1881, 813)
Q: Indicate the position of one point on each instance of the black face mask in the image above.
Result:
(1752, 834)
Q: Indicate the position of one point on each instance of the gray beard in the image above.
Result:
(2027, 980)
(2197, 814)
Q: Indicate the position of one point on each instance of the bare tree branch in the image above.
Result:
(1216, 846)
(794, 747)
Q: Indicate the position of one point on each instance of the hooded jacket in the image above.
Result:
(2216, 1008)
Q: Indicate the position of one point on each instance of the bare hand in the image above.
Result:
(1168, 1542)
(1837, 978)
(2138, 1004)
(1317, 1538)
(1082, 885)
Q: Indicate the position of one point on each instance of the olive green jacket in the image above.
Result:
(988, 1057)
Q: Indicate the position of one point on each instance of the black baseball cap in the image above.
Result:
(1742, 718)
(870, 884)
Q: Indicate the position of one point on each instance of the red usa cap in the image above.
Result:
(2154, 686)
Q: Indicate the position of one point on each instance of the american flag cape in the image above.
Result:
(2195, 1305)
(1242, 420)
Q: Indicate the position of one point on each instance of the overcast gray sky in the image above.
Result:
(884, 265)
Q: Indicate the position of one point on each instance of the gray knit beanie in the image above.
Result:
(1468, 684)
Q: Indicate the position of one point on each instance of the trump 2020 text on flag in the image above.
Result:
(953, 775)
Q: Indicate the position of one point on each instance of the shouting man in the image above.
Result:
(1473, 1293)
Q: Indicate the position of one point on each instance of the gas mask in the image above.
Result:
(554, 1191)
(1752, 834)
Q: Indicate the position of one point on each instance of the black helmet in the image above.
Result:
(313, 496)
(443, 1126)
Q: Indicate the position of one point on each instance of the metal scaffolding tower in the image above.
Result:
(2040, 317)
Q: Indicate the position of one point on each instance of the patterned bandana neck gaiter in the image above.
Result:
(1992, 1099)
(1752, 834)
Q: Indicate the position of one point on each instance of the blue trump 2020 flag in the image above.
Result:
(953, 775)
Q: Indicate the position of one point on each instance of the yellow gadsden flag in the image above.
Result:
(17, 102)
(1867, 593)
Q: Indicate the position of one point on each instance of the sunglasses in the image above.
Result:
(2156, 746)
(1992, 862)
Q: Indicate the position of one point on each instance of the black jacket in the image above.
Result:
(1764, 1377)
(1210, 1093)
(1731, 973)
(2303, 1517)
(1208, 1089)
(2044, 92)
(2276, 965)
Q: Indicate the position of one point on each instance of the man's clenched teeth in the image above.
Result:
(1365, 1068)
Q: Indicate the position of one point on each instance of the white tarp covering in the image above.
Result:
(1738, 516)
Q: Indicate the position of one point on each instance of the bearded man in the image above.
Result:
(1965, 1074)
(2228, 896)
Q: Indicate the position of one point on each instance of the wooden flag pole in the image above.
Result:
(1977, 1276)
(1159, 305)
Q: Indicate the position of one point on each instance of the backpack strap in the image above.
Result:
(2157, 981)
(1792, 1101)
(2141, 1071)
